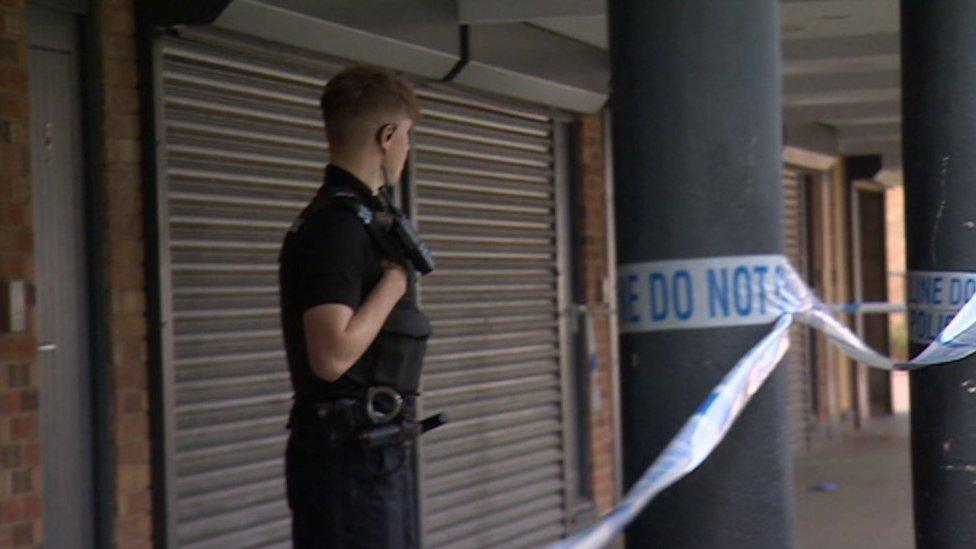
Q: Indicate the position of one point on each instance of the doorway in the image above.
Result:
(64, 363)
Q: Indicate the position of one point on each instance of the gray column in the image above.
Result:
(939, 126)
(697, 144)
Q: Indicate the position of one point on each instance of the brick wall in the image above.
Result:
(119, 162)
(593, 225)
(897, 265)
(20, 468)
(124, 269)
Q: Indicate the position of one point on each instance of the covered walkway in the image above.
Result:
(871, 506)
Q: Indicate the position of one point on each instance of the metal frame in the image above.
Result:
(157, 217)
(862, 396)
(805, 174)
(103, 387)
(560, 187)
(612, 300)
(407, 196)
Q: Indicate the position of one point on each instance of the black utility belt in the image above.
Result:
(377, 420)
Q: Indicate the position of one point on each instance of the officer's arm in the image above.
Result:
(336, 336)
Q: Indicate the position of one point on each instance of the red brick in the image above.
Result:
(139, 503)
(37, 478)
(24, 427)
(10, 51)
(116, 6)
(12, 510)
(13, 79)
(128, 301)
(123, 126)
(133, 533)
(132, 426)
(14, 25)
(128, 253)
(10, 456)
(129, 326)
(134, 504)
(134, 452)
(33, 507)
(23, 535)
(132, 377)
(28, 401)
(20, 481)
(119, 21)
(124, 224)
(14, 188)
(13, 105)
(129, 352)
(131, 402)
(14, 160)
(126, 276)
(17, 347)
(119, 46)
(9, 403)
(32, 456)
(123, 150)
(17, 375)
(132, 477)
(16, 239)
(129, 173)
(125, 200)
(12, 131)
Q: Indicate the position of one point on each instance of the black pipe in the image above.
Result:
(939, 129)
(697, 141)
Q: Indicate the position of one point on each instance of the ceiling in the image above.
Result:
(841, 65)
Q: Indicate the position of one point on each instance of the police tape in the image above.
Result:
(792, 300)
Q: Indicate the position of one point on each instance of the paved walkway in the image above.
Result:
(871, 507)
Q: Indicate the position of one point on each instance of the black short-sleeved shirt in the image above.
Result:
(327, 257)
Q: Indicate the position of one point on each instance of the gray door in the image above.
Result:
(795, 244)
(62, 322)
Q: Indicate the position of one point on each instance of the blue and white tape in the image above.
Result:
(785, 293)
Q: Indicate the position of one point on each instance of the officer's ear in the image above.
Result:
(385, 135)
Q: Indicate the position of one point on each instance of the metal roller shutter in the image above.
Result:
(798, 356)
(486, 201)
(240, 152)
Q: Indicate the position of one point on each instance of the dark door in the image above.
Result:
(874, 281)
(62, 313)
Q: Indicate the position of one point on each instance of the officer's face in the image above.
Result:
(397, 150)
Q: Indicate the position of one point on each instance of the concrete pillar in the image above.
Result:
(939, 126)
(697, 138)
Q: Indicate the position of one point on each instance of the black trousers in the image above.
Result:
(344, 494)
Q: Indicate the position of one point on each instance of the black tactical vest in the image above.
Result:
(396, 356)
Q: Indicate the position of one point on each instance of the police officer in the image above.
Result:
(346, 316)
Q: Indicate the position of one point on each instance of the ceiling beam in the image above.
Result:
(832, 65)
(515, 11)
(798, 114)
(865, 45)
(879, 146)
(839, 83)
(867, 132)
(842, 97)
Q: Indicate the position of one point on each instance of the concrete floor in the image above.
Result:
(871, 507)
